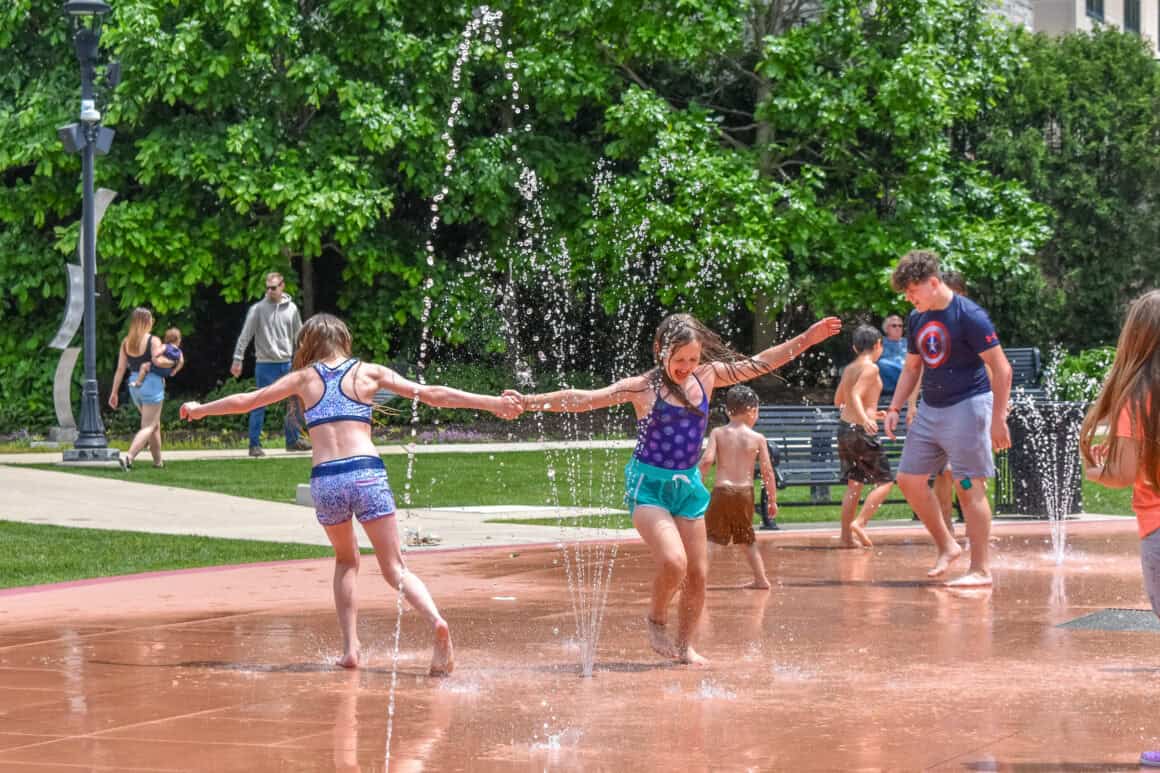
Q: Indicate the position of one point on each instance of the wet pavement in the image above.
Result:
(852, 662)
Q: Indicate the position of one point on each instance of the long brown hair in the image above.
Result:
(140, 325)
(321, 336)
(677, 330)
(1133, 383)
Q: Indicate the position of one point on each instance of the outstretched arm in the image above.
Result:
(580, 400)
(506, 407)
(727, 373)
(244, 402)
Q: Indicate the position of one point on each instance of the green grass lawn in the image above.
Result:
(34, 553)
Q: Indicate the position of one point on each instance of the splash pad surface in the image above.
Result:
(852, 661)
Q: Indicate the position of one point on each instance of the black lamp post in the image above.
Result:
(88, 138)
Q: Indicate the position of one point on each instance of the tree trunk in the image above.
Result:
(307, 278)
(764, 323)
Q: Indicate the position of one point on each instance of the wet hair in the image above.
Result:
(677, 330)
(321, 336)
(865, 338)
(173, 336)
(914, 267)
(1133, 383)
(739, 399)
(956, 281)
(140, 323)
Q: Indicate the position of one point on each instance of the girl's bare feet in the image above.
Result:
(687, 655)
(975, 579)
(945, 560)
(658, 639)
(762, 584)
(350, 658)
(443, 656)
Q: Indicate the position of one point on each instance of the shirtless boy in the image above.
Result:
(863, 458)
(735, 448)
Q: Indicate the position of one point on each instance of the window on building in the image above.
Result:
(1095, 9)
(1132, 16)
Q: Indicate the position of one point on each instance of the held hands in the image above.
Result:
(511, 404)
(191, 411)
(823, 329)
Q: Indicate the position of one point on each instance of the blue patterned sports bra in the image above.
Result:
(335, 404)
(670, 436)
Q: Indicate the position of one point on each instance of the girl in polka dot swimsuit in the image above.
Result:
(348, 478)
(663, 487)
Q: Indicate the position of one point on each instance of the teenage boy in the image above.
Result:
(962, 418)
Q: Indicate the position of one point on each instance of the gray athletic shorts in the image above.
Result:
(958, 434)
(1150, 563)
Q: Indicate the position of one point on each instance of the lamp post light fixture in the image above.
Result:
(88, 138)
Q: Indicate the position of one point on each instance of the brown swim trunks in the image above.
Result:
(730, 515)
(862, 456)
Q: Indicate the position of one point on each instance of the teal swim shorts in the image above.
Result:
(678, 492)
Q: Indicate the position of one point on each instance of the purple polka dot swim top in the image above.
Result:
(335, 404)
(670, 436)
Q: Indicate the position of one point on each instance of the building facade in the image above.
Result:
(1058, 17)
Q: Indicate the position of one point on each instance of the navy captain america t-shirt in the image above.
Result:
(949, 341)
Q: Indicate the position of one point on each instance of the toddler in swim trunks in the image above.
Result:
(735, 448)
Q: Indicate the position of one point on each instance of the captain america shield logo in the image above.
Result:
(934, 344)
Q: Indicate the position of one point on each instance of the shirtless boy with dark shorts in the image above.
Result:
(859, 450)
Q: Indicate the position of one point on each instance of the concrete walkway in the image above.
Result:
(66, 499)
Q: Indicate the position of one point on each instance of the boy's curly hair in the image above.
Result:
(915, 266)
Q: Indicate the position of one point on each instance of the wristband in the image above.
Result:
(892, 409)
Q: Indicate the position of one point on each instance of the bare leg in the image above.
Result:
(753, 556)
(849, 508)
(346, 561)
(923, 501)
(692, 601)
(658, 531)
(155, 443)
(873, 501)
(384, 535)
(944, 489)
(977, 513)
(150, 421)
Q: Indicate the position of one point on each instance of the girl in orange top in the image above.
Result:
(1131, 454)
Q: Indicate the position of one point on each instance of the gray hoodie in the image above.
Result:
(274, 328)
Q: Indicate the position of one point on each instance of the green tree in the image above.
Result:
(1079, 129)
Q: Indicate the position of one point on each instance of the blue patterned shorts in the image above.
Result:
(354, 486)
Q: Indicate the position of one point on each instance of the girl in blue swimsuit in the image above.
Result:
(348, 478)
(663, 488)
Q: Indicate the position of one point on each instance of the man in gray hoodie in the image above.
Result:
(273, 324)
